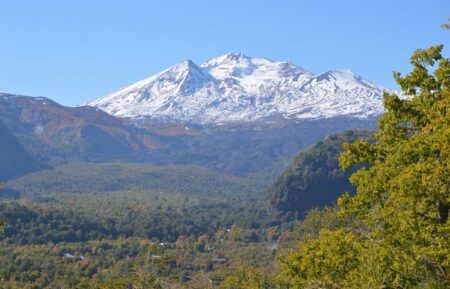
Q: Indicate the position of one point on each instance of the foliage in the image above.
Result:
(74, 264)
(159, 216)
(323, 262)
(28, 224)
(314, 178)
(109, 177)
(129, 263)
(246, 277)
(402, 200)
(393, 233)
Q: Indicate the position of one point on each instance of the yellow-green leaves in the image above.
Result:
(325, 260)
(402, 199)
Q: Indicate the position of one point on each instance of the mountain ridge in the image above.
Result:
(54, 134)
(238, 88)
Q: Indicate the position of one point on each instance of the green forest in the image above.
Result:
(358, 210)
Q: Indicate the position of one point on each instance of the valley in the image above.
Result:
(203, 171)
(240, 173)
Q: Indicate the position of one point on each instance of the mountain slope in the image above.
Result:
(14, 159)
(54, 133)
(314, 178)
(237, 88)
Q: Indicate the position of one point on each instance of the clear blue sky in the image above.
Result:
(75, 51)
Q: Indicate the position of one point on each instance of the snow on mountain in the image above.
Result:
(235, 87)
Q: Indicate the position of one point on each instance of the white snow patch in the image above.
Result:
(235, 88)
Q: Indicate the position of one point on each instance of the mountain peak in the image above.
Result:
(235, 56)
(186, 65)
(227, 59)
(235, 87)
(181, 75)
(190, 64)
(343, 74)
(345, 79)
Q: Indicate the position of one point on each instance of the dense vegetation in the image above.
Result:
(233, 258)
(314, 178)
(158, 216)
(400, 237)
(188, 263)
(109, 177)
(394, 232)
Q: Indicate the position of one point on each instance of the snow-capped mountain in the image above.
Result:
(235, 87)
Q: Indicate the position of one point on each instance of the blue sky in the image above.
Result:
(75, 51)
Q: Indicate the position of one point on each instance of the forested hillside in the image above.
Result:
(399, 235)
(14, 159)
(314, 178)
(110, 177)
(55, 134)
(154, 215)
(200, 229)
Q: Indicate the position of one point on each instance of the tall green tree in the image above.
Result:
(402, 203)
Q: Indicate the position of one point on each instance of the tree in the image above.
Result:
(319, 264)
(314, 178)
(402, 203)
(246, 277)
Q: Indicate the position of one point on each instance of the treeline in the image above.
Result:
(188, 262)
(152, 215)
(232, 258)
(31, 224)
(399, 235)
(314, 178)
(394, 232)
(110, 177)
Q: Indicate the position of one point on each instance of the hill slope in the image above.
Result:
(56, 134)
(108, 177)
(314, 178)
(14, 159)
